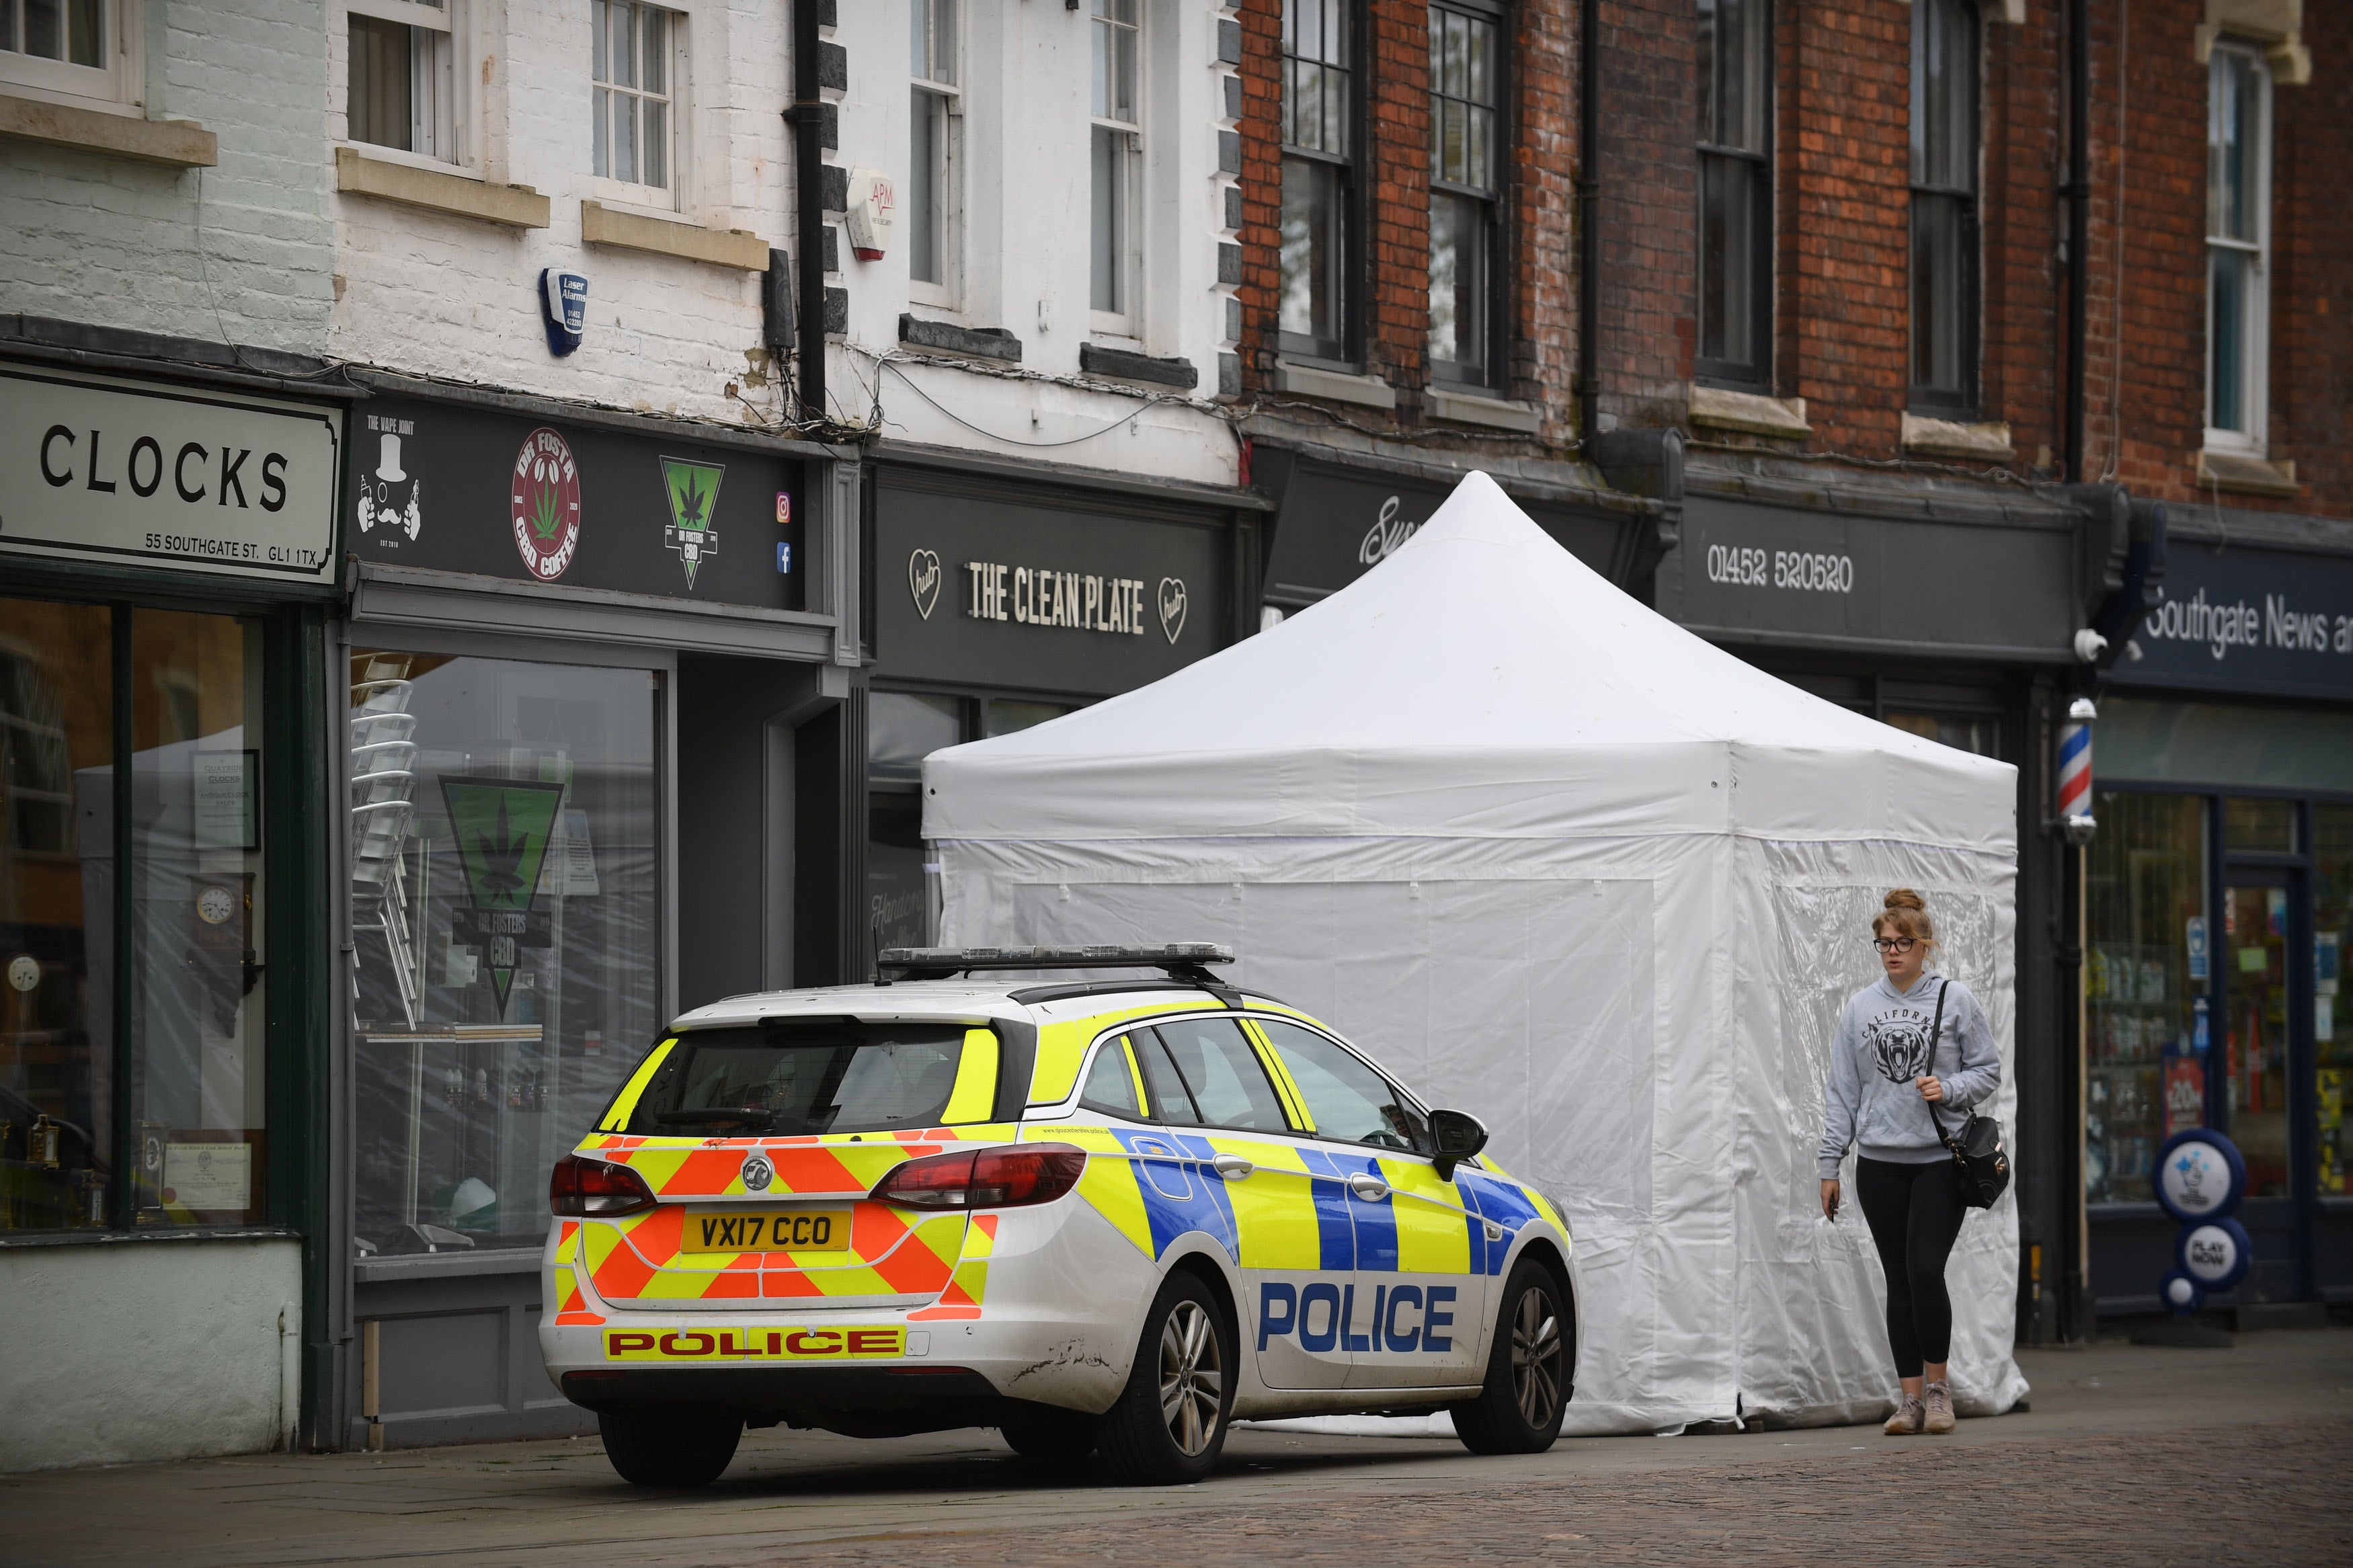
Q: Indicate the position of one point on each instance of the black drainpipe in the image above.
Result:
(2078, 194)
(1589, 223)
(808, 192)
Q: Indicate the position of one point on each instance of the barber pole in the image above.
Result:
(2075, 802)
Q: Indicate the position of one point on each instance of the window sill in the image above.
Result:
(24, 1238)
(1126, 365)
(388, 1268)
(992, 346)
(1750, 412)
(2243, 473)
(1491, 413)
(173, 143)
(460, 195)
(688, 242)
(1334, 386)
(1987, 442)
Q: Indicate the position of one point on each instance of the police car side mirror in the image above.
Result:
(1459, 1135)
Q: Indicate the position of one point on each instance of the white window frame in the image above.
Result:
(676, 199)
(2255, 334)
(452, 115)
(1126, 324)
(118, 86)
(947, 173)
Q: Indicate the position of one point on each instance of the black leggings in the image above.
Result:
(1914, 1214)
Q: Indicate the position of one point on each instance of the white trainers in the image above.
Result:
(1907, 1419)
(1940, 1404)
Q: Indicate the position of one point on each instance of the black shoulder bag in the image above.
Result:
(1981, 1161)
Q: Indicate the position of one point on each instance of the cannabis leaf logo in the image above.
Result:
(542, 511)
(501, 854)
(694, 502)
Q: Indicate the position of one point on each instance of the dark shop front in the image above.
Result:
(600, 679)
(1003, 595)
(2220, 911)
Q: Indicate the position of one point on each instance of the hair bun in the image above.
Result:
(1904, 899)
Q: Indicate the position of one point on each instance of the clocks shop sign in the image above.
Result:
(1045, 589)
(114, 471)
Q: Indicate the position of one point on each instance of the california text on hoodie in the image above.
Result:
(1882, 1047)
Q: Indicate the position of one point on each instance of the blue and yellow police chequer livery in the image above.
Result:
(1357, 1277)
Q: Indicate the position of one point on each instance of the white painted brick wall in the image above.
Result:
(101, 239)
(450, 297)
(1027, 192)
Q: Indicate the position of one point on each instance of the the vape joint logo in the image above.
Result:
(389, 497)
(693, 491)
(1899, 1044)
(545, 505)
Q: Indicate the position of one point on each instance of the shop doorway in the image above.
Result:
(2267, 996)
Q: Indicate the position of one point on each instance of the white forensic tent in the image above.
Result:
(1561, 864)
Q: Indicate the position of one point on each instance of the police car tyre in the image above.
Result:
(1169, 1422)
(1048, 1431)
(670, 1447)
(1520, 1410)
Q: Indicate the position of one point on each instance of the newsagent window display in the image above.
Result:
(504, 903)
(2145, 1078)
(2332, 1011)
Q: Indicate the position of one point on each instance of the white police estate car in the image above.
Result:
(1107, 1216)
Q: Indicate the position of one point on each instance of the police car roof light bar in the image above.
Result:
(1182, 961)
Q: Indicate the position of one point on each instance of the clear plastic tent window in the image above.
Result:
(1557, 862)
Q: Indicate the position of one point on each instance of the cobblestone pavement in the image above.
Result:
(2128, 1456)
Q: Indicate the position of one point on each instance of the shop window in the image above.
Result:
(903, 728)
(2238, 246)
(2146, 901)
(1115, 154)
(1944, 205)
(933, 123)
(638, 58)
(1466, 78)
(1735, 192)
(2259, 827)
(404, 81)
(1320, 173)
(505, 917)
(1005, 717)
(1979, 736)
(71, 48)
(169, 938)
(2332, 1004)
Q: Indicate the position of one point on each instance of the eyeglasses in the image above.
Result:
(1892, 943)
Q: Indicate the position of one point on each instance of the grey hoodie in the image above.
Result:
(1881, 1049)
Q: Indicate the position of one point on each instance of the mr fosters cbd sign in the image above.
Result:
(102, 469)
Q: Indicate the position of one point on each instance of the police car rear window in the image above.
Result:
(795, 1078)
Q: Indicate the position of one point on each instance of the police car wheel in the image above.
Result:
(1520, 1410)
(1170, 1421)
(1045, 1432)
(670, 1447)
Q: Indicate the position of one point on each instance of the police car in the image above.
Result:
(1101, 1216)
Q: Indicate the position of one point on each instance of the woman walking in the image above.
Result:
(1911, 1046)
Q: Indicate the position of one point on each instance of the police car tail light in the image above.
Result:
(583, 1188)
(984, 1178)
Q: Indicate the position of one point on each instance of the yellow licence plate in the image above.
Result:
(805, 1232)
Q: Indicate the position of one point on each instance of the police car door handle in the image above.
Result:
(1233, 1167)
(1372, 1189)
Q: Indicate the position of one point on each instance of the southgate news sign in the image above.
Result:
(124, 472)
(2242, 620)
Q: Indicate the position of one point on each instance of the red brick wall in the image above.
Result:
(2145, 397)
(1650, 219)
(1540, 295)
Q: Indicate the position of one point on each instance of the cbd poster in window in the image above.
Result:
(502, 829)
